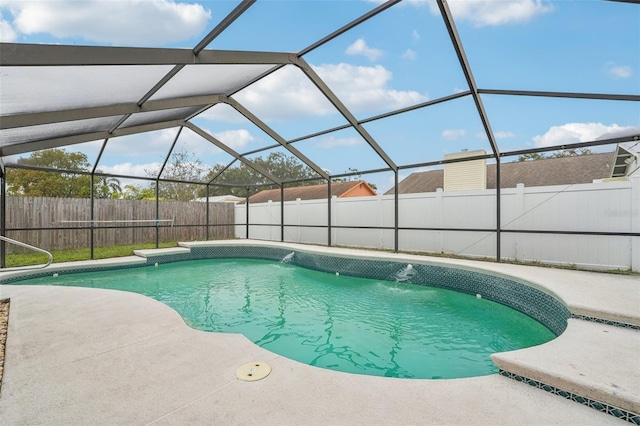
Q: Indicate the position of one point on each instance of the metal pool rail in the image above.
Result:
(18, 243)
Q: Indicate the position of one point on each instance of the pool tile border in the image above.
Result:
(628, 416)
(78, 270)
(606, 321)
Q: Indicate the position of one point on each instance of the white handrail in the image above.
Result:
(18, 243)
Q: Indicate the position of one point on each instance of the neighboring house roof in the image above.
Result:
(545, 172)
(315, 192)
(221, 199)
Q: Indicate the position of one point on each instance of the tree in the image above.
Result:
(531, 156)
(136, 192)
(285, 167)
(39, 183)
(106, 187)
(182, 166)
(356, 177)
(572, 152)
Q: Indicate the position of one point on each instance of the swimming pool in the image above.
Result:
(329, 329)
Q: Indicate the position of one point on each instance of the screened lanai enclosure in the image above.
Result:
(504, 130)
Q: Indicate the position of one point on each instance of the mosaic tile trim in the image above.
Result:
(606, 321)
(251, 252)
(621, 414)
(169, 258)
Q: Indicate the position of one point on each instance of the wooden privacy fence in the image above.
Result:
(67, 221)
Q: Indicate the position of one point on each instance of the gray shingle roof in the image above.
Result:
(545, 172)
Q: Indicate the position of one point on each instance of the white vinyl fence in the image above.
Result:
(596, 207)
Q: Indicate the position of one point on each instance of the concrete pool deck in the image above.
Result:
(91, 356)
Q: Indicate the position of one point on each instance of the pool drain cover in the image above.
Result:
(253, 371)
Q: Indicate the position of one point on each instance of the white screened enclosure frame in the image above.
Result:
(32, 121)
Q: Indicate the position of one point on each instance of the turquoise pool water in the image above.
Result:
(341, 323)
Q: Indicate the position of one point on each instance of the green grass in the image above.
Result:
(70, 255)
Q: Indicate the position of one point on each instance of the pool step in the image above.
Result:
(595, 364)
(162, 252)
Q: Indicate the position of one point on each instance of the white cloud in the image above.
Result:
(482, 13)
(7, 33)
(148, 144)
(130, 169)
(409, 54)
(283, 95)
(504, 135)
(288, 94)
(132, 22)
(415, 34)
(582, 132)
(365, 88)
(359, 47)
(453, 134)
(618, 71)
(235, 139)
(331, 142)
(206, 151)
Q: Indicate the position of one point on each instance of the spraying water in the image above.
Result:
(405, 274)
(288, 258)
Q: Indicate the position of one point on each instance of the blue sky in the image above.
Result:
(396, 59)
